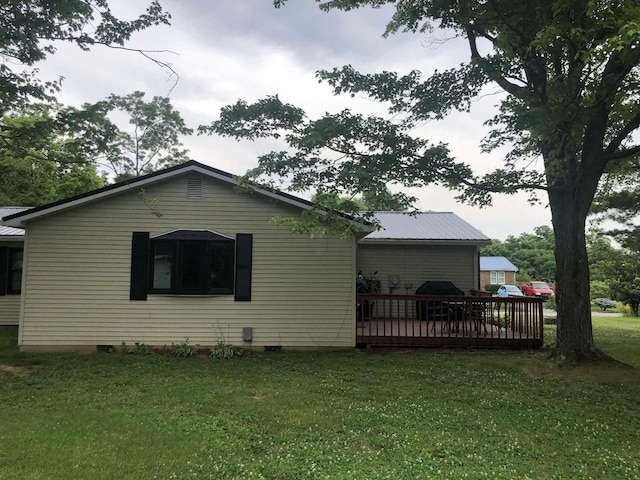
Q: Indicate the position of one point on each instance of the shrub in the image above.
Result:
(185, 349)
(551, 303)
(224, 350)
(599, 289)
(492, 287)
(142, 349)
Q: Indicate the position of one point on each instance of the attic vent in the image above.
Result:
(194, 188)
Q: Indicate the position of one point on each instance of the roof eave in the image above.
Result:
(19, 220)
(11, 238)
(443, 241)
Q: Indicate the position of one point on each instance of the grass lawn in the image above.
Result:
(347, 415)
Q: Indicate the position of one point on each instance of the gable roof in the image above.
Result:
(424, 228)
(497, 264)
(20, 218)
(6, 211)
(11, 233)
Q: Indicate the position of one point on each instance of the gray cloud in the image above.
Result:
(230, 49)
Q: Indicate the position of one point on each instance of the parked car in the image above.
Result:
(605, 303)
(509, 291)
(536, 289)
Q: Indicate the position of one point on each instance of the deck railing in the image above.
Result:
(409, 320)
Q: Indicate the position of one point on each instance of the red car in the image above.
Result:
(536, 289)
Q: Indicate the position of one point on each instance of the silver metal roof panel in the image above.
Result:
(423, 227)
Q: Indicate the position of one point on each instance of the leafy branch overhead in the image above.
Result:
(349, 153)
(31, 30)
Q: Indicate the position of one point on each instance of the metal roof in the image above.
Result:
(497, 263)
(11, 232)
(6, 211)
(424, 227)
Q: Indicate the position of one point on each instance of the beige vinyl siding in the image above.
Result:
(78, 271)
(417, 263)
(9, 309)
(10, 303)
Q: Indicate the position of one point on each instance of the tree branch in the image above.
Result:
(509, 87)
(615, 143)
(624, 153)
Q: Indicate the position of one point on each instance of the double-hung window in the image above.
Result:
(497, 277)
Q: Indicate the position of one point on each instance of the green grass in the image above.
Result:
(346, 415)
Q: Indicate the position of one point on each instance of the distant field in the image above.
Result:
(347, 415)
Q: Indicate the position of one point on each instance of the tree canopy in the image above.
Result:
(30, 30)
(570, 76)
(532, 253)
(152, 140)
(45, 153)
(47, 150)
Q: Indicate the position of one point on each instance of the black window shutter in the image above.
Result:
(4, 269)
(244, 258)
(139, 266)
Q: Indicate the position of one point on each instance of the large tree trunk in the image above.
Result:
(574, 336)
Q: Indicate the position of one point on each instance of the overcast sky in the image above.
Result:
(231, 49)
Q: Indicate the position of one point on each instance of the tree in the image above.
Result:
(153, 141)
(43, 155)
(30, 30)
(383, 201)
(569, 73)
(531, 253)
(624, 278)
(618, 199)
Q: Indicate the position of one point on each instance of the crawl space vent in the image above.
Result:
(194, 188)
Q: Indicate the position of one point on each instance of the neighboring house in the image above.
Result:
(497, 271)
(180, 253)
(11, 248)
(410, 249)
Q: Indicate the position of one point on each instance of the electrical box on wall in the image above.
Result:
(247, 334)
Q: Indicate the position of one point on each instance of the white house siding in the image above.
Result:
(417, 263)
(10, 303)
(77, 276)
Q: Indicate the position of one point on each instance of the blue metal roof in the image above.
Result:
(497, 264)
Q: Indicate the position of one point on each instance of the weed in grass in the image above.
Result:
(142, 349)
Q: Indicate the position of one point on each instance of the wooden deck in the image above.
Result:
(417, 320)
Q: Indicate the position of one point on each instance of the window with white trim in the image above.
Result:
(497, 277)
